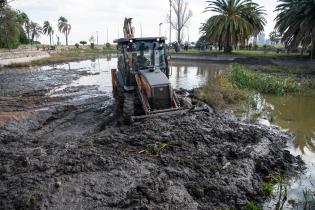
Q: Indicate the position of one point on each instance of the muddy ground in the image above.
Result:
(66, 149)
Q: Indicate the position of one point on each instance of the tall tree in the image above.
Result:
(36, 31)
(182, 16)
(48, 30)
(25, 22)
(64, 27)
(9, 28)
(235, 21)
(3, 3)
(296, 21)
(275, 37)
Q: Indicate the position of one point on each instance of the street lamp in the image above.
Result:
(160, 25)
(96, 38)
(170, 21)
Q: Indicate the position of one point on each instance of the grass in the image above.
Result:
(221, 92)
(289, 70)
(239, 84)
(66, 56)
(250, 53)
(268, 188)
(309, 199)
(245, 79)
(252, 206)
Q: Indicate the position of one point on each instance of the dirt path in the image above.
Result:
(66, 150)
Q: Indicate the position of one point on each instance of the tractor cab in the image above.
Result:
(148, 54)
(143, 74)
(139, 54)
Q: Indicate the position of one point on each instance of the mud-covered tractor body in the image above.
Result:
(141, 83)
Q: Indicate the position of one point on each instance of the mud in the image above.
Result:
(72, 152)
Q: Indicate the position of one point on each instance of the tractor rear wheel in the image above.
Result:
(128, 108)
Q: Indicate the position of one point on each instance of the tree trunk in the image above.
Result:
(313, 50)
(178, 36)
(227, 45)
(50, 39)
(66, 38)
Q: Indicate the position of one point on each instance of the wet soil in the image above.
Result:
(66, 149)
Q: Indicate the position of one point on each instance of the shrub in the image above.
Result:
(108, 45)
(252, 206)
(76, 45)
(83, 42)
(92, 45)
(221, 92)
(268, 188)
(246, 79)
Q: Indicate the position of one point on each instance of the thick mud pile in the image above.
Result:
(67, 150)
(194, 161)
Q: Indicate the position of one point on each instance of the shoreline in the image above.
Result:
(46, 58)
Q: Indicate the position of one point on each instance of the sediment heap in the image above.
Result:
(193, 161)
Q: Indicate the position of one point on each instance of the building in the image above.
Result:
(261, 38)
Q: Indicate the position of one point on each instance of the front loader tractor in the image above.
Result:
(141, 83)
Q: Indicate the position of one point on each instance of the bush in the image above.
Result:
(108, 45)
(246, 79)
(252, 206)
(76, 45)
(83, 42)
(221, 92)
(268, 188)
(92, 45)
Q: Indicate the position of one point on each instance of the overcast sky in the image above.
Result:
(88, 17)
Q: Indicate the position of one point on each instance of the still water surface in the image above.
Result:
(294, 113)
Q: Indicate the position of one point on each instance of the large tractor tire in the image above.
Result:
(128, 108)
(119, 97)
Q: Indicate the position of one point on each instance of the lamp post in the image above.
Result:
(107, 35)
(96, 38)
(160, 25)
(170, 21)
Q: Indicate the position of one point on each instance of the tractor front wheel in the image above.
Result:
(128, 109)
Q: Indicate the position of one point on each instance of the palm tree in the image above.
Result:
(25, 22)
(296, 21)
(64, 27)
(35, 30)
(48, 30)
(236, 21)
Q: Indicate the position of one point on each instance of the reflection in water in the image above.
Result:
(98, 73)
(296, 113)
(189, 75)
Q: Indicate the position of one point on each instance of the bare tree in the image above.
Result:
(182, 16)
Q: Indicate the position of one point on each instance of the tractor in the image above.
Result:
(141, 83)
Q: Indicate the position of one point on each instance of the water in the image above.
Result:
(184, 75)
(297, 114)
(294, 113)
(99, 73)
(189, 75)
